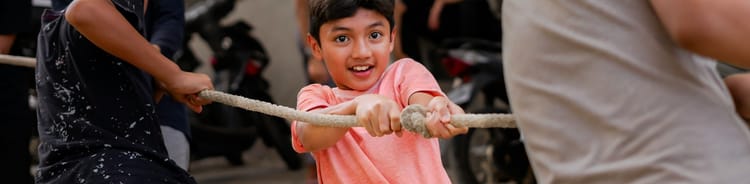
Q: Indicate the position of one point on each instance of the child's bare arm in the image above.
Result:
(103, 25)
(378, 114)
(314, 137)
(438, 119)
(715, 28)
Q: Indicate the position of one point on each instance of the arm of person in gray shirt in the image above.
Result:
(714, 28)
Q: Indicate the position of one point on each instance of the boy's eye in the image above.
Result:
(375, 35)
(341, 39)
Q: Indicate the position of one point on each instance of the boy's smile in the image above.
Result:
(356, 49)
(362, 70)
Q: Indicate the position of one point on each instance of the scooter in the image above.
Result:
(238, 62)
(494, 155)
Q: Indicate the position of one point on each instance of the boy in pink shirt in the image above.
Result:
(355, 39)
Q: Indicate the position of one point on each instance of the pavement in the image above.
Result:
(262, 165)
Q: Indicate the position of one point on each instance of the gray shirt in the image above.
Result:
(603, 95)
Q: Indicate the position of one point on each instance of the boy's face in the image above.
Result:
(356, 49)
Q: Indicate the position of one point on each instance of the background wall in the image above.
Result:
(276, 27)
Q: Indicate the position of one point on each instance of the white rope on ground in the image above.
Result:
(412, 117)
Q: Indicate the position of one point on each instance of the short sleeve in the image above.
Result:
(310, 97)
(132, 10)
(412, 77)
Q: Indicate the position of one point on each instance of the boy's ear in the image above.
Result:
(392, 39)
(314, 47)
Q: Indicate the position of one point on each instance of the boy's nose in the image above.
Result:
(361, 50)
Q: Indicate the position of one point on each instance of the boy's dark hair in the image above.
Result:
(322, 11)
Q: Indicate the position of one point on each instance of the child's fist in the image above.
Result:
(438, 118)
(378, 114)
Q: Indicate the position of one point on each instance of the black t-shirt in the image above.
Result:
(97, 119)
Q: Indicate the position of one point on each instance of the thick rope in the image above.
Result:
(412, 117)
(279, 111)
(18, 60)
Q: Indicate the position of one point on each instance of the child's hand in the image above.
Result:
(378, 114)
(184, 88)
(439, 117)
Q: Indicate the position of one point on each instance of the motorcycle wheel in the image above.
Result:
(274, 131)
(211, 138)
(277, 133)
(473, 157)
(490, 156)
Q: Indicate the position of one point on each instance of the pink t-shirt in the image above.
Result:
(360, 158)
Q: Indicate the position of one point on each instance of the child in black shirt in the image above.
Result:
(95, 79)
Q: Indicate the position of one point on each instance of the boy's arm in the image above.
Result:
(378, 114)
(714, 28)
(105, 27)
(314, 137)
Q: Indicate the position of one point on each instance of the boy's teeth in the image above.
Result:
(360, 68)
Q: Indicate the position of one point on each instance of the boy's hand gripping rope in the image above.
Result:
(412, 117)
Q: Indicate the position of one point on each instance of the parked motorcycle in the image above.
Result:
(493, 155)
(238, 61)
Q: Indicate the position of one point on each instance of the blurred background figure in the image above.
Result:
(315, 70)
(436, 20)
(15, 82)
(166, 32)
(425, 26)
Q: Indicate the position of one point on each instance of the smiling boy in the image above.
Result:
(355, 39)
